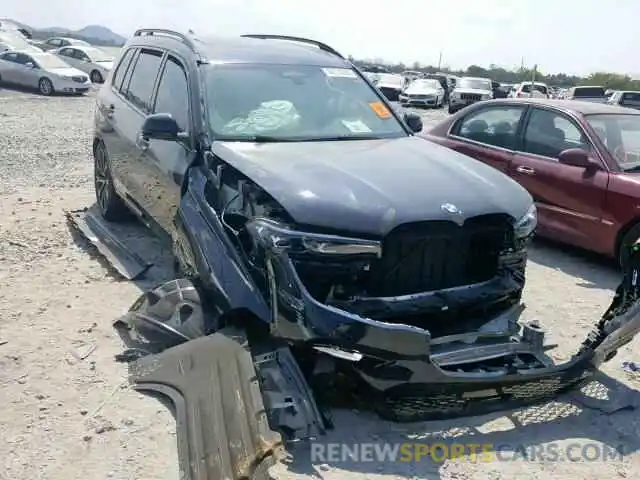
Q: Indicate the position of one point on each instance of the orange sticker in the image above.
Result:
(382, 111)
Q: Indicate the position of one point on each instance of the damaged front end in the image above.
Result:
(462, 362)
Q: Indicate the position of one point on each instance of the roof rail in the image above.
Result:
(320, 45)
(167, 33)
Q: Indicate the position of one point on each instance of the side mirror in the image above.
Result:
(30, 65)
(160, 126)
(576, 157)
(414, 121)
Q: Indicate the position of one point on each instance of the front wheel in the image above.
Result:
(629, 238)
(96, 77)
(45, 87)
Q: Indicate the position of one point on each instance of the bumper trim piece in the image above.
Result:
(91, 225)
(222, 427)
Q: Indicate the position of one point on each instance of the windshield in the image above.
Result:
(526, 88)
(423, 85)
(294, 103)
(588, 92)
(621, 135)
(98, 55)
(474, 83)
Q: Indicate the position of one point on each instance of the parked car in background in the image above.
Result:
(390, 84)
(54, 43)
(91, 60)
(587, 93)
(469, 90)
(444, 80)
(627, 98)
(530, 89)
(43, 71)
(8, 26)
(424, 92)
(580, 161)
(11, 41)
(500, 90)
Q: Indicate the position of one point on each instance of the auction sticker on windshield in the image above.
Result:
(380, 110)
(356, 126)
(339, 72)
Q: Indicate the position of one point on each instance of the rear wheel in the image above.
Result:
(111, 205)
(96, 77)
(45, 87)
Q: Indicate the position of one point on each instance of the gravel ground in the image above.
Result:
(68, 413)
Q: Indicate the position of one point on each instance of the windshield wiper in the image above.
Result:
(340, 138)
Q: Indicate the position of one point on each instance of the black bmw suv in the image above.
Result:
(298, 195)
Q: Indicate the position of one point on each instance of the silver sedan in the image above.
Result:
(43, 71)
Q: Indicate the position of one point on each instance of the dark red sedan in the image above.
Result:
(580, 161)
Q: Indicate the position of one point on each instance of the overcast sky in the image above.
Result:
(573, 36)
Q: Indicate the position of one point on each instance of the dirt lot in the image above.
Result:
(68, 413)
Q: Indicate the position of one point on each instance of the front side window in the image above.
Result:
(495, 126)
(55, 42)
(143, 79)
(173, 93)
(295, 103)
(548, 133)
(620, 134)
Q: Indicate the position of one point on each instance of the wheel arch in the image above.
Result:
(634, 222)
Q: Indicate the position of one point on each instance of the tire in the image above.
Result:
(96, 77)
(111, 205)
(629, 238)
(45, 87)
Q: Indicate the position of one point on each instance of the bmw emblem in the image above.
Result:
(450, 208)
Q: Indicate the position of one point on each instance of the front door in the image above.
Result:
(570, 199)
(164, 163)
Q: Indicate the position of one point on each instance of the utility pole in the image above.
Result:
(439, 60)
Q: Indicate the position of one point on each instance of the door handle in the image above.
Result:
(142, 142)
(526, 170)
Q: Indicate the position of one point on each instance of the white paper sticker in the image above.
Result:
(339, 72)
(356, 126)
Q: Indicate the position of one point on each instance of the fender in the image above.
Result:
(210, 253)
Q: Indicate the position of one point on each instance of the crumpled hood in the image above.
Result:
(372, 186)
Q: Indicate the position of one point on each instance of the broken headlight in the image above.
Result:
(526, 225)
(279, 237)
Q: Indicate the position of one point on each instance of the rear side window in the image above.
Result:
(584, 92)
(496, 126)
(121, 69)
(631, 98)
(173, 93)
(143, 78)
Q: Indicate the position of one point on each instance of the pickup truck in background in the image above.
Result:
(588, 93)
(627, 98)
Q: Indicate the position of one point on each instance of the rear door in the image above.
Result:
(570, 199)
(68, 55)
(112, 119)
(488, 134)
(138, 98)
(164, 163)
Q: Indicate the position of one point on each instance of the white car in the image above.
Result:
(14, 41)
(54, 43)
(425, 92)
(91, 60)
(470, 90)
(42, 70)
(530, 90)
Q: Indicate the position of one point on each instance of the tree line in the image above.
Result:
(611, 80)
